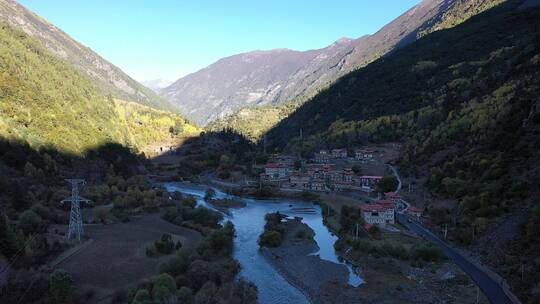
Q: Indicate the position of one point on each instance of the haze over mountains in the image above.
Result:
(283, 75)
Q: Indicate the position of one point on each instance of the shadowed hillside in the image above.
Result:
(464, 103)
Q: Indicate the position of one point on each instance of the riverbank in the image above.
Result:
(322, 281)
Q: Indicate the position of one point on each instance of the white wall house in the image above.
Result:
(276, 172)
(378, 214)
(363, 154)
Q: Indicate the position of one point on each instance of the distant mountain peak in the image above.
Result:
(276, 76)
(344, 40)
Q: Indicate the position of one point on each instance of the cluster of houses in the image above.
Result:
(319, 174)
(317, 177)
(327, 156)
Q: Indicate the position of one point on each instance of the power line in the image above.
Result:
(75, 216)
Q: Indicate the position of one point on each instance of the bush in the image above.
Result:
(30, 222)
(176, 265)
(164, 246)
(101, 214)
(189, 202)
(219, 243)
(60, 287)
(397, 251)
(164, 289)
(150, 251)
(270, 238)
(210, 194)
(142, 297)
(387, 184)
(428, 253)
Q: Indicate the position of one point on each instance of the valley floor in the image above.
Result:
(114, 256)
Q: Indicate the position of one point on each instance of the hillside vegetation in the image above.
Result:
(46, 102)
(464, 101)
(253, 122)
(426, 18)
(108, 78)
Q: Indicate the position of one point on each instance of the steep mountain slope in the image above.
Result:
(47, 103)
(254, 78)
(464, 103)
(280, 76)
(109, 78)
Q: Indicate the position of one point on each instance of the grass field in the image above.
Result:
(116, 257)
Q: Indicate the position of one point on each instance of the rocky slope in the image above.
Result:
(109, 78)
(282, 75)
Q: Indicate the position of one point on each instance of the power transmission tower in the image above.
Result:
(75, 217)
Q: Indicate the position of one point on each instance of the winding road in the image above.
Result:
(494, 290)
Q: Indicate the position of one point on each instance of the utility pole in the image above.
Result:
(477, 294)
(264, 143)
(445, 230)
(356, 231)
(75, 218)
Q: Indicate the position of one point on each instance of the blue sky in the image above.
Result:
(171, 38)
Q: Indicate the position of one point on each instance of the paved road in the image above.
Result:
(491, 289)
(397, 177)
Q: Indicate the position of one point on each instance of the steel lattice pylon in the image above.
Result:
(75, 217)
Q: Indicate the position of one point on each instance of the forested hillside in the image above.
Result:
(465, 104)
(46, 102)
(427, 17)
(108, 78)
(253, 122)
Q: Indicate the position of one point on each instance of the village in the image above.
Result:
(355, 173)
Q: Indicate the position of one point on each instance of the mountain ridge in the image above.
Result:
(312, 70)
(111, 79)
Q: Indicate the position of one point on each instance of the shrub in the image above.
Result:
(60, 287)
(210, 194)
(101, 214)
(150, 251)
(176, 265)
(30, 222)
(165, 245)
(270, 238)
(387, 184)
(428, 253)
(142, 297)
(164, 289)
(189, 202)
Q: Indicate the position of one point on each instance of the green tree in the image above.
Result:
(142, 297)
(270, 238)
(9, 242)
(30, 222)
(387, 184)
(60, 287)
(164, 289)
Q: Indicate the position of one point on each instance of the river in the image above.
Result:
(249, 224)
